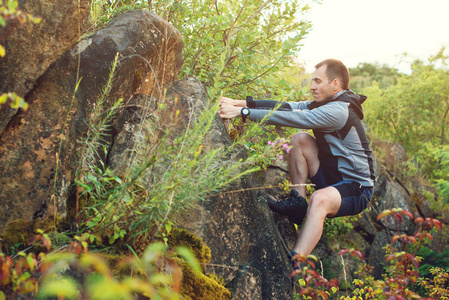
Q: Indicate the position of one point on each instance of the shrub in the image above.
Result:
(401, 274)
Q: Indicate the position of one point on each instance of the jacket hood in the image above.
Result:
(355, 101)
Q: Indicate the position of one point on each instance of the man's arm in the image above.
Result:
(233, 102)
(230, 108)
(332, 116)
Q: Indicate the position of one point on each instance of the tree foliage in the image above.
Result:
(365, 74)
(415, 113)
(240, 46)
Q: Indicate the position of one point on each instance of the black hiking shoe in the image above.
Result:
(293, 206)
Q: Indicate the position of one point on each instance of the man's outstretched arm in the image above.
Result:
(230, 108)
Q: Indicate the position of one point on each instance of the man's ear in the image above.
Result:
(336, 84)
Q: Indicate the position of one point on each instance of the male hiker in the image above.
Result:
(337, 159)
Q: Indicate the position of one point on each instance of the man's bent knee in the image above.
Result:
(306, 146)
(302, 139)
(326, 201)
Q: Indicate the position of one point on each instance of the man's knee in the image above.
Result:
(305, 145)
(325, 201)
(302, 139)
(317, 203)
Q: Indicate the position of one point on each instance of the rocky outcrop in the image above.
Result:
(38, 147)
(31, 48)
(245, 244)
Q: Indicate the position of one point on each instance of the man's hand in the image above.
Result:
(227, 111)
(230, 108)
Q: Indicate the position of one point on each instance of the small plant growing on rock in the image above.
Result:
(402, 272)
(312, 284)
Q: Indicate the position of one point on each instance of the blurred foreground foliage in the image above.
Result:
(73, 272)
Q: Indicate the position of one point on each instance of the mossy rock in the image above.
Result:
(182, 237)
(18, 233)
(197, 285)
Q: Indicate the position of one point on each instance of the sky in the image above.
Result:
(375, 31)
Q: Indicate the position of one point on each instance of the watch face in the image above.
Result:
(245, 111)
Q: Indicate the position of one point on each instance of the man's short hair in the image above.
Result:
(336, 69)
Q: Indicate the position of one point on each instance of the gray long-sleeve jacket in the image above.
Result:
(344, 150)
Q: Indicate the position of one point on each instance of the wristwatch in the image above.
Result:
(245, 113)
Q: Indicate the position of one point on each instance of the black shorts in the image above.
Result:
(354, 196)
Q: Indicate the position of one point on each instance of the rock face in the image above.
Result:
(245, 244)
(389, 193)
(38, 147)
(31, 48)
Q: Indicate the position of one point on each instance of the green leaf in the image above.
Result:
(283, 82)
(91, 224)
(64, 288)
(12, 5)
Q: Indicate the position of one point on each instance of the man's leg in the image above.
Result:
(303, 160)
(323, 203)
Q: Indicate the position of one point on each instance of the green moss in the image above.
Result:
(18, 233)
(196, 285)
(199, 286)
(182, 237)
(114, 262)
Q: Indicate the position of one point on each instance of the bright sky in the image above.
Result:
(355, 31)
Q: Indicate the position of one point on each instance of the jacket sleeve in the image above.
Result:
(329, 117)
(271, 104)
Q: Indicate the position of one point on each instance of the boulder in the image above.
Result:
(38, 149)
(377, 254)
(238, 227)
(31, 48)
(389, 193)
(246, 247)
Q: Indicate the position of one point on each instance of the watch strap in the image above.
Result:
(243, 114)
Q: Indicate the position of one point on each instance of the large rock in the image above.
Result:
(238, 227)
(389, 193)
(31, 48)
(38, 149)
(376, 258)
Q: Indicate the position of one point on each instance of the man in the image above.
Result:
(337, 159)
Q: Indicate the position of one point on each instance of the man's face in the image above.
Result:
(321, 88)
